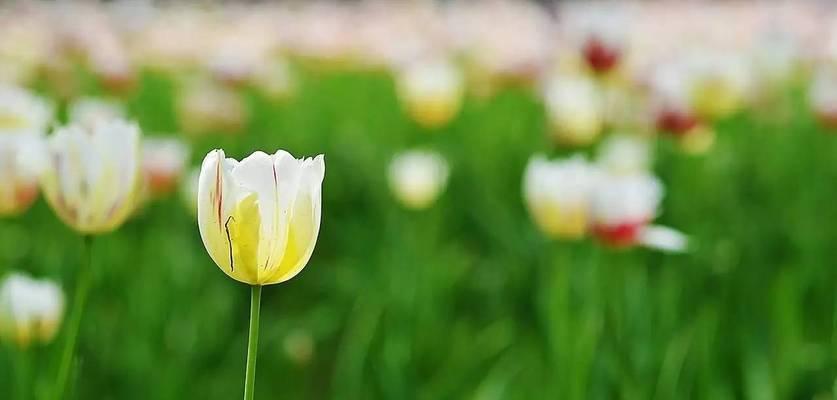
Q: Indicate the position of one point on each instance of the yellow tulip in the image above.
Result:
(91, 177)
(259, 218)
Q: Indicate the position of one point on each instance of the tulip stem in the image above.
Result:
(253, 342)
(82, 287)
(22, 373)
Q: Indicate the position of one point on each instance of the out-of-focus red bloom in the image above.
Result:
(676, 122)
(600, 57)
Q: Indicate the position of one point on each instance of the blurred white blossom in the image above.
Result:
(30, 310)
(417, 177)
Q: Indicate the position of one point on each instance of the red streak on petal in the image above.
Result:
(619, 235)
(219, 193)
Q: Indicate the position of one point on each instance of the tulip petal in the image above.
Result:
(274, 179)
(304, 224)
(218, 195)
(664, 239)
(242, 229)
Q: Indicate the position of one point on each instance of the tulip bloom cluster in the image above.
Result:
(683, 74)
(614, 199)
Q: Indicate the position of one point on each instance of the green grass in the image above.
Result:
(466, 300)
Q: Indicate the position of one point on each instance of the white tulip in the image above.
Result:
(163, 162)
(22, 112)
(30, 310)
(626, 199)
(417, 177)
(431, 91)
(822, 95)
(205, 106)
(557, 194)
(722, 83)
(259, 218)
(624, 154)
(24, 118)
(624, 205)
(91, 176)
(575, 108)
(19, 168)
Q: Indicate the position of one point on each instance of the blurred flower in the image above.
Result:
(624, 205)
(237, 53)
(557, 194)
(25, 42)
(670, 86)
(91, 176)
(30, 310)
(23, 120)
(417, 177)
(575, 109)
(88, 111)
(299, 347)
(431, 91)
(776, 61)
(110, 61)
(163, 161)
(174, 41)
(603, 33)
(22, 112)
(18, 173)
(722, 83)
(699, 140)
(259, 218)
(676, 121)
(204, 106)
(275, 79)
(624, 154)
(822, 95)
(503, 42)
(626, 107)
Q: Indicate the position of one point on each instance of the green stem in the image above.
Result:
(82, 287)
(253, 342)
(22, 374)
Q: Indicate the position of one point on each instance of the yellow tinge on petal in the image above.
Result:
(92, 177)
(302, 234)
(433, 112)
(561, 223)
(12, 122)
(715, 99)
(242, 228)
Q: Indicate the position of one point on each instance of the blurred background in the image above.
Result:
(434, 278)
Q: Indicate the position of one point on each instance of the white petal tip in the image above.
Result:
(664, 239)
